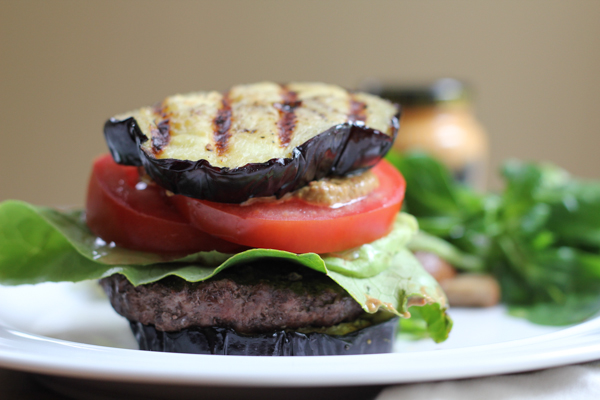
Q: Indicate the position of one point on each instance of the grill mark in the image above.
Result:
(221, 125)
(160, 134)
(287, 117)
(358, 111)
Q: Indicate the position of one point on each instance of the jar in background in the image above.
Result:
(438, 119)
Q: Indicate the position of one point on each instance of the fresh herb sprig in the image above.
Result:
(540, 236)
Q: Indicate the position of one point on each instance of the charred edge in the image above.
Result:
(161, 134)
(221, 125)
(358, 110)
(287, 117)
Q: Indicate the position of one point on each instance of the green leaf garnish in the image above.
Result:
(540, 237)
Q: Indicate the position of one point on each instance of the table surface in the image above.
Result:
(23, 386)
(580, 381)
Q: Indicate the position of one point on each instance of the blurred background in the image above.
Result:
(67, 66)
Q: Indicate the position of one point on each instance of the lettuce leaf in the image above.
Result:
(39, 244)
(424, 322)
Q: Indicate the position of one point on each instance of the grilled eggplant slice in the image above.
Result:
(256, 140)
(374, 339)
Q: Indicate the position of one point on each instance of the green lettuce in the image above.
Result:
(39, 244)
(540, 236)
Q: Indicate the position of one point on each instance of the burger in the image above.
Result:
(259, 221)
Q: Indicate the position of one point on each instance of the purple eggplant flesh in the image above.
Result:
(342, 149)
(373, 339)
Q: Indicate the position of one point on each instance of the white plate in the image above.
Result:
(36, 320)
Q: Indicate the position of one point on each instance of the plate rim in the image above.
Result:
(20, 351)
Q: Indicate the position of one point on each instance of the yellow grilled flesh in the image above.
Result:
(253, 123)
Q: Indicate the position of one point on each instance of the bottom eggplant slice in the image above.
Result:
(373, 339)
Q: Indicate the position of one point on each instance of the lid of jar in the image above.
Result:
(446, 90)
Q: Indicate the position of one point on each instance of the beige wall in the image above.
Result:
(67, 66)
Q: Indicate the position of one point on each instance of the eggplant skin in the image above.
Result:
(374, 339)
(122, 142)
(342, 149)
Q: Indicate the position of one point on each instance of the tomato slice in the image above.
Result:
(139, 216)
(299, 227)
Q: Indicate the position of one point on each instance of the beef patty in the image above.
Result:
(252, 298)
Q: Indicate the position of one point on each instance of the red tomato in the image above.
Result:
(137, 216)
(299, 227)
